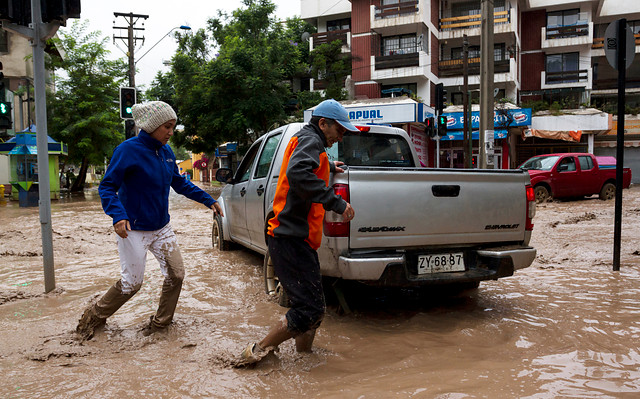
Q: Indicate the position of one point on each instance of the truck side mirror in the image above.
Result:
(224, 175)
(563, 167)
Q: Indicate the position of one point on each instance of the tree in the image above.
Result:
(241, 92)
(83, 112)
(330, 65)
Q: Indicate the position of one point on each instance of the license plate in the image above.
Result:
(441, 263)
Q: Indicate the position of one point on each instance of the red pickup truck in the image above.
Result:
(574, 175)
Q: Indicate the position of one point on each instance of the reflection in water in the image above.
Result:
(565, 327)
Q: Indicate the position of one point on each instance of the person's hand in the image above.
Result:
(338, 168)
(217, 209)
(121, 228)
(348, 213)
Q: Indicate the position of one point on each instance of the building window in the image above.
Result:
(566, 23)
(473, 8)
(406, 44)
(563, 68)
(399, 90)
(498, 52)
(562, 18)
(339, 24)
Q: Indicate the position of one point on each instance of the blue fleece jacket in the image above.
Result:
(136, 184)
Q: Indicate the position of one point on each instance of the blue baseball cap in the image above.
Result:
(334, 110)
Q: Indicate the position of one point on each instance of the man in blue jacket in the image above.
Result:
(135, 193)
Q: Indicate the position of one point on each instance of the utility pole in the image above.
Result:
(468, 139)
(486, 86)
(131, 40)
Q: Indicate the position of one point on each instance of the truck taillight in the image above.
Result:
(338, 228)
(531, 207)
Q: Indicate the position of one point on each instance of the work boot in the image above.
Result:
(252, 354)
(89, 323)
(151, 328)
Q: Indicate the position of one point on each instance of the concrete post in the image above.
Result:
(486, 83)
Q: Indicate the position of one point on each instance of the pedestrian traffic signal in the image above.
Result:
(5, 115)
(127, 100)
(19, 11)
(430, 128)
(442, 125)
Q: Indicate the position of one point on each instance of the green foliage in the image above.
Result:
(538, 105)
(331, 65)
(83, 112)
(232, 81)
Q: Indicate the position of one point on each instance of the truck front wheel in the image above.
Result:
(542, 194)
(217, 236)
(272, 286)
(608, 192)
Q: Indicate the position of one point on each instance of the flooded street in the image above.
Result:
(565, 327)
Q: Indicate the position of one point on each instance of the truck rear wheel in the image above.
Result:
(608, 192)
(542, 194)
(272, 286)
(217, 236)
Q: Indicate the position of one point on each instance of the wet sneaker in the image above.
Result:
(252, 354)
(151, 328)
(89, 323)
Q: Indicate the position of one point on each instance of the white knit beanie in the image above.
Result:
(149, 116)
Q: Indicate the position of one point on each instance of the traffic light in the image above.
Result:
(5, 115)
(430, 128)
(60, 10)
(127, 100)
(19, 11)
(442, 125)
(441, 97)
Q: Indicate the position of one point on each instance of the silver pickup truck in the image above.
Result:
(413, 226)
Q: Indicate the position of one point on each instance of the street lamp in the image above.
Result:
(183, 27)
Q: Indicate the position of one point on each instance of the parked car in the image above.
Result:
(573, 175)
(413, 226)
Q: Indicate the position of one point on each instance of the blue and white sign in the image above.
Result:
(511, 118)
(405, 112)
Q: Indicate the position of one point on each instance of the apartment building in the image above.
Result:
(543, 50)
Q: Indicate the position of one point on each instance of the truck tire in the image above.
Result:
(217, 235)
(272, 286)
(542, 194)
(608, 192)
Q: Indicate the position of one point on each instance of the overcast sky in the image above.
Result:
(163, 16)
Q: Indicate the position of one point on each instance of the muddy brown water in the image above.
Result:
(568, 326)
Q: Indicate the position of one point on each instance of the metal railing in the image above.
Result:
(581, 75)
(559, 32)
(394, 10)
(331, 36)
(473, 21)
(598, 42)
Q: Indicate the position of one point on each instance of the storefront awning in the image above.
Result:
(475, 135)
(566, 135)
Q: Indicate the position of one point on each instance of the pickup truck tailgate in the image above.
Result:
(407, 207)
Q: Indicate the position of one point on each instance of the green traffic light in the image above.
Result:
(128, 109)
(3, 108)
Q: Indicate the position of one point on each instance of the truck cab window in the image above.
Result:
(366, 149)
(586, 163)
(244, 170)
(567, 165)
(266, 157)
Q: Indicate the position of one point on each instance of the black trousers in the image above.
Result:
(298, 269)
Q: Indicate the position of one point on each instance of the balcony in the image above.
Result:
(457, 27)
(566, 79)
(402, 17)
(317, 39)
(455, 67)
(567, 36)
(405, 63)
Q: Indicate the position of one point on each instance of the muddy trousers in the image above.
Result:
(133, 253)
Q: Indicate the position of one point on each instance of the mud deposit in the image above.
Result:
(568, 326)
